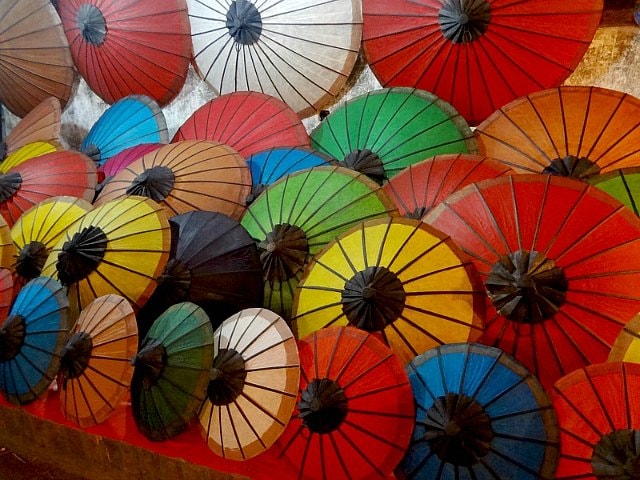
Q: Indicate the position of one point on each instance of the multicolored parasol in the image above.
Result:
(421, 186)
(95, 368)
(479, 414)
(384, 131)
(254, 383)
(186, 176)
(395, 277)
(35, 60)
(477, 54)
(559, 262)
(248, 122)
(32, 338)
(296, 216)
(131, 121)
(355, 410)
(300, 51)
(569, 131)
(120, 248)
(599, 422)
(172, 371)
(129, 47)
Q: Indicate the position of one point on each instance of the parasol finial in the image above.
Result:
(323, 405)
(12, 333)
(92, 24)
(463, 21)
(244, 22)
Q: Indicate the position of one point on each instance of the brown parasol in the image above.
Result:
(42, 124)
(35, 60)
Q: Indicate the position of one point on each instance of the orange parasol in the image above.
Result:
(186, 176)
(95, 365)
(569, 131)
(42, 124)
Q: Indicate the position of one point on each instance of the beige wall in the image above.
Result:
(612, 61)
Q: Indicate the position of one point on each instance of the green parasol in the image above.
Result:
(299, 214)
(383, 131)
(172, 371)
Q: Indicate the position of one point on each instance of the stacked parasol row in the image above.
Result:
(498, 266)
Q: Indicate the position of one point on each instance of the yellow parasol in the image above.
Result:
(395, 276)
(120, 248)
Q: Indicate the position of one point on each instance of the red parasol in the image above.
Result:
(249, 122)
(477, 54)
(421, 186)
(559, 260)
(599, 419)
(355, 411)
(35, 61)
(64, 173)
(129, 47)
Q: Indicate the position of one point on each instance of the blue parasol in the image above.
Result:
(270, 165)
(32, 338)
(131, 121)
(479, 414)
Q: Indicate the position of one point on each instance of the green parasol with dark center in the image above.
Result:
(172, 371)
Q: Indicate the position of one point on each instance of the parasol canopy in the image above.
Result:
(120, 248)
(186, 176)
(172, 371)
(623, 184)
(32, 338)
(569, 131)
(39, 229)
(559, 261)
(7, 248)
(63, 173)
(35, 60)
(27, 152)
(480, 414)
(248, 122)
(129, 47)
(95, 368)
(296, 216)
(421, 186)
(599, 422)
(213, 263)
(398, 278)
(253, 384)
(272, 164)
(299, 51)
(41, 124)
(355, 411)
(130, 121)
(626, 348)
(384, 131)
(477, 54)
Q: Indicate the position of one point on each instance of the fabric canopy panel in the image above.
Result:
(128, 47)
(477, 54)
(301, 51)
(35, 60)
(559, 261)
(574, 132)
